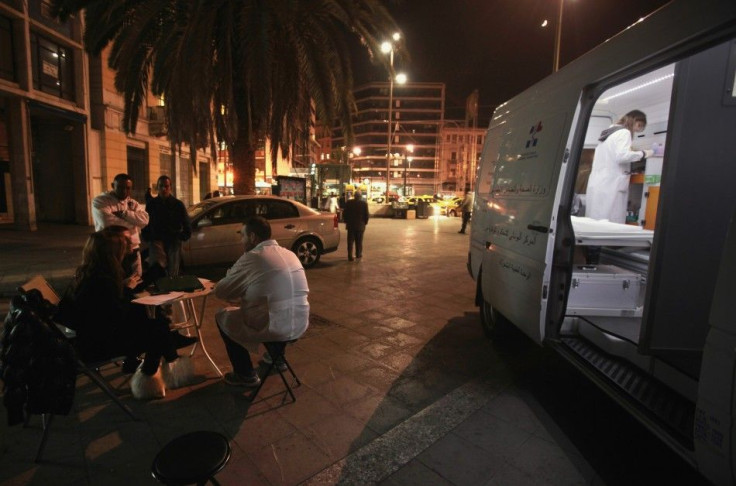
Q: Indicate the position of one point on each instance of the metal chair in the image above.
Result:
(277, 350)
(90, 369)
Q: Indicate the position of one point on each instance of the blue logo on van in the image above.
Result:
(533, 131)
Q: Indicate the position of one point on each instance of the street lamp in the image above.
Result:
(388, 48)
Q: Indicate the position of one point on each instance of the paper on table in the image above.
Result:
(158, 299)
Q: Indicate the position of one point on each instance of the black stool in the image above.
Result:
(277, 350)
(192, 458)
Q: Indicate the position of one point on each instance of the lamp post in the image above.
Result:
(410, 149)
(558, 36)
(388, 48)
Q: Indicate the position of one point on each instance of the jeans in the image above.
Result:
(166, 255)
(466, 218)
(239, 356)
(357, 238)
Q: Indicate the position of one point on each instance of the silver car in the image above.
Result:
(217, 224)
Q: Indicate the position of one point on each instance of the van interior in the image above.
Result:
(641, 292)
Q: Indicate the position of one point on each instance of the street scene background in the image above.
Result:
(400, 387)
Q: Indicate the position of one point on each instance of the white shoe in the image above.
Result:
(178, 373)
(147, 387)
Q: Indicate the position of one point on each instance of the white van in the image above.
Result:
(652, 319)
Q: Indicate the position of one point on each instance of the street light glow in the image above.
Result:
(544, 23)
(401, 78)
(386, 47)
(396, 37)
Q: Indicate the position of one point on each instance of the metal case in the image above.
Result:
(604, 290)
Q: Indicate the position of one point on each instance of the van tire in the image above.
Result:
(494, 324)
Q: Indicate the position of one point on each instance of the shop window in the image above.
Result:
(53, 69)
(7, 57)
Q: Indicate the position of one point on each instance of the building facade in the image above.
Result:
(416, 118)
(61, 137)
(460, 149)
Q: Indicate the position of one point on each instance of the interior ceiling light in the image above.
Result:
(637, 87)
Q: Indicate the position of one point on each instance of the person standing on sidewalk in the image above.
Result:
(466, 207)
(168, 226)
(117, 208)
(356, 218)
(270, 286)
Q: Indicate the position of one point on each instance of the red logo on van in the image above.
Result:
(533, 131)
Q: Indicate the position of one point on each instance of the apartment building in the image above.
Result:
(416, 118)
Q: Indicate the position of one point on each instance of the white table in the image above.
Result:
(193, 316)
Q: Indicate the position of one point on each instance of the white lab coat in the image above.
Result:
(608, 185)
(270, 285)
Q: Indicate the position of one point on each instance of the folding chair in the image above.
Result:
(277, 351)
(90, 369)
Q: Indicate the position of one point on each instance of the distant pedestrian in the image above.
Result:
(356, 218)
(168, 227)
(116, 207)
(332, 203)
(466, 207)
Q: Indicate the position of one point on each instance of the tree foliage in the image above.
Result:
(235, 71)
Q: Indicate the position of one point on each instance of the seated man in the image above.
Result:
(269, 283)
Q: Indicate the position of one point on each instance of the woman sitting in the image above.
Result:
(109, 325)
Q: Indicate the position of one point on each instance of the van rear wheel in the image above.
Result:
(493, 322)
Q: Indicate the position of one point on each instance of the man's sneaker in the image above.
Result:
(280, 365)
(235, 379)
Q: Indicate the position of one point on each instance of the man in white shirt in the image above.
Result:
(117, 208)
(270, 286)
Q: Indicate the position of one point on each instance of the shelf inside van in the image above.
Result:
(593, 232)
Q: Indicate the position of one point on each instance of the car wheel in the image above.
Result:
(493, 322)
(308, 251)
(452, 213)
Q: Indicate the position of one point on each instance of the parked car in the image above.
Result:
(217, 224)
(452, 206)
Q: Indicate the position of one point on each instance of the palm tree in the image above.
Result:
(236, 71)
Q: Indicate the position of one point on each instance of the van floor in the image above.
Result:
(623, 327)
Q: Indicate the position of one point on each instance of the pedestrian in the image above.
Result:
(270, 287)
(356, 218)
(168, 227)
(608, 185)
(332, 203)
(466, 207)
(116, 207)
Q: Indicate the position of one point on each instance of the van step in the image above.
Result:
(670, 408)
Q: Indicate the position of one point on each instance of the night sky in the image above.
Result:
(497, 46)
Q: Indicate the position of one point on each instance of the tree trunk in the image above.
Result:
(243, 156)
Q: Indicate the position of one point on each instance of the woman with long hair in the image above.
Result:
(108, 324)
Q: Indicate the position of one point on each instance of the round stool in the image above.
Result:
(192, 458)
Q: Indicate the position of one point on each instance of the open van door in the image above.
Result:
(515, 200)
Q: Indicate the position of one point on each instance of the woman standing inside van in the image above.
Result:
(608, 186)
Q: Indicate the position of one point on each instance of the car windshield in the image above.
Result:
(199, 208)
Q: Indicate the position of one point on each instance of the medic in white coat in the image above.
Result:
(608, 185)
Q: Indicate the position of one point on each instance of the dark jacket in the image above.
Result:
(355, 215)
(168, 220)
(37, 363)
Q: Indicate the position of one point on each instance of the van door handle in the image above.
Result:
(289, 226)
(540, 229)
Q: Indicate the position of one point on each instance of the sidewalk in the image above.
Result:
(53, 251)
(400, 387)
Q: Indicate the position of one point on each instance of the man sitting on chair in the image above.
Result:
(269, 283)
